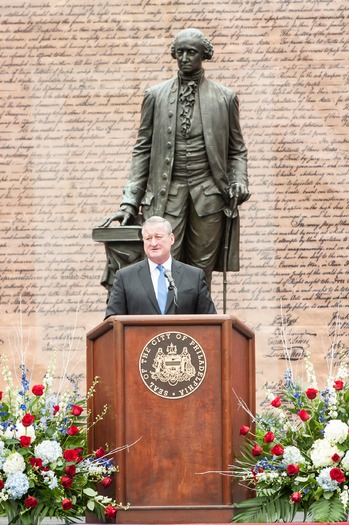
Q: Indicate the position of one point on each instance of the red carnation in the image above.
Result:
(2, 484)
(70, 455)
(24, 441)
(110, 512)
(292, 469)
(338, 385)
(67, 504)
(36, 462)
(0, 395)
(244, 430)
(27, 420)
(296, 497)
(311, 393)
(76, 410)
(66, 482)
(269, 437)
(278, 450)
(335, 458)
(337, 475)
(31, 502)
(106, 482)
(55, 409)
(276, 402)
(100, 452)
(72, 430)
(38, 390)
(257, 450)
(70, 470)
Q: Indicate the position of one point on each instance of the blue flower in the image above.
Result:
(17, 485)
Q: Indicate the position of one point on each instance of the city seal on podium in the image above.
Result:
(172, 365)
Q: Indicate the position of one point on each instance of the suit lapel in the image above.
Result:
(144, 275)
(177, 273)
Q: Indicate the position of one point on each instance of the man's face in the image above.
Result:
(189, 51)
(157, 243)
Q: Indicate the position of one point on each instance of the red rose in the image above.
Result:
(72, 430)
(100, 452)
(27, 420)
(244, 430)
(269, 437)
(257, 450)
(338, 385)
(66, 482)
(76, 410)
(311, 393)
(292, 469)
(276, 402)
(296, 497)
(303, 414)
(70, 455)
(0, 395)
(38, 390)
(110, 512)
(337, 475)
(2, 484)
(79, 450)
(67, 504)
(31, 502)
(70, 470)
(24, 441)
(278, 450)
(106, 482)
(55, 409)
(335, 458)
(36, 462)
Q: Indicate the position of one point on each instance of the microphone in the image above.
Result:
(171, 283)
(172, 286)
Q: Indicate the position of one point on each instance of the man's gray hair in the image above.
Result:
(157, 220)
(208, 47)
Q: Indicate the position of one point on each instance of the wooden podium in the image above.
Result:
(169, 382)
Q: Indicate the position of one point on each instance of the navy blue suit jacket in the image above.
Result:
(133, 291)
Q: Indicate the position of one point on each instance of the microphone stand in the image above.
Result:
(172, 286)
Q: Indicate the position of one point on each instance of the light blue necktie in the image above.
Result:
(162, 289)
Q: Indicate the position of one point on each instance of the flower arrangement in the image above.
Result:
(296, 454)
(45, 469)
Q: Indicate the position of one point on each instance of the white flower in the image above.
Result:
(292, 455)
(322, 451)
(344, 496)
(50, 478)
(14, 463)
(17, 485)
(345, 461)
(48, 451)
(325, 482)
(336, 431)
(18, 430)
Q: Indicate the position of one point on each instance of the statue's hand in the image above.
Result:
(238, 193)
(123, 216)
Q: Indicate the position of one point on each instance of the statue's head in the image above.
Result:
(194, 35)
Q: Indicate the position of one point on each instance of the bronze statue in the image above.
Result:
(189, 164)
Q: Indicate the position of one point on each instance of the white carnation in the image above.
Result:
(336, 431)
(322, 451)
(14, 463)
(48, 451)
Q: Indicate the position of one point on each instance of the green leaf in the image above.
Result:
(90, 492)
(327, 510)
(265, 509)
(91, 505)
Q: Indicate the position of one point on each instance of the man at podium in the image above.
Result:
(159, 284)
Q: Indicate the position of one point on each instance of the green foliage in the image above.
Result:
(264, 509)
(328, 510)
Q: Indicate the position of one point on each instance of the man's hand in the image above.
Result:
(123, 216)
